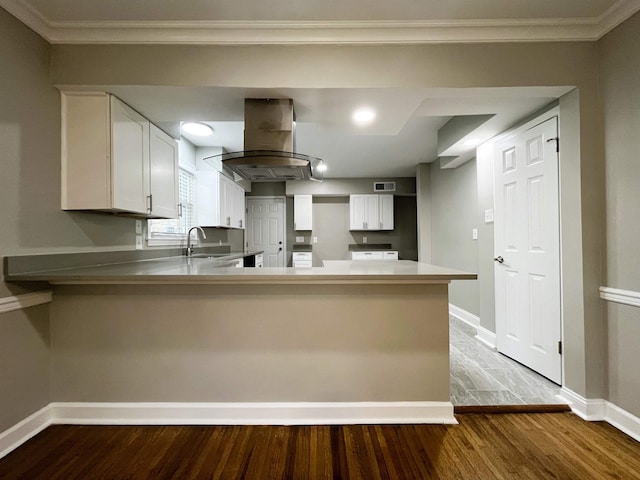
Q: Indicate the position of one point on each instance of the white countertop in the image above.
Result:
(183, 270)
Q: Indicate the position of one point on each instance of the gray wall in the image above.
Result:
(331, 220)
(454, 201)
(620, 77)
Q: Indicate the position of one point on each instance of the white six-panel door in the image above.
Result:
(527, 249)
(265, 229)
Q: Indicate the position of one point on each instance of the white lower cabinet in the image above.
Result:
(375, 255)
(302, 259)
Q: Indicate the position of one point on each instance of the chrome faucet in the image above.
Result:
(189, 247)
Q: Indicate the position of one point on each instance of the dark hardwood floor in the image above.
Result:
(482, 446)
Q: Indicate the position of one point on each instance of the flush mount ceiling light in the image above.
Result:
(363, 116)
(197, 128)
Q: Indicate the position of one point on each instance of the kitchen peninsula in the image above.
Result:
(184, 340)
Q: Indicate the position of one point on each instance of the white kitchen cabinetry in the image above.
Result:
(302, 259)
(220, 201)
(302, 212)
(375, 255)
(106, 163)
(163, 163)
(371, 212)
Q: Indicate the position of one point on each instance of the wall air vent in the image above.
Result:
(384, 186)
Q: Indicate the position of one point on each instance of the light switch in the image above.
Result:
(474, 233)
(364, 239)
(138, 242)
(138, 227)
(488, 216)
(315, 239)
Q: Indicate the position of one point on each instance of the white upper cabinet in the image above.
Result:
(220, 200)
(106, 163)
(163, 161)
(303, 212)
(371, 212)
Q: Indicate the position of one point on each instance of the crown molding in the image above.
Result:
(322, 33)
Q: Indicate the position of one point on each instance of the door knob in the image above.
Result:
(499, 259)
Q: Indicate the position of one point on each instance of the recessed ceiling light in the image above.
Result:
(363, 116)
(197, 128)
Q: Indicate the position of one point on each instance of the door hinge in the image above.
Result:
(557, 140)
(560, 347)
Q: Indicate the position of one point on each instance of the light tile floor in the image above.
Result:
(481, 376)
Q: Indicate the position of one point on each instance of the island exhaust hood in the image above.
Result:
(269, 145)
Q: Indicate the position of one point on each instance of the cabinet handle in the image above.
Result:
(150, 198)
(180, 210)
(240, 223)
(228, 221)
(380, 225)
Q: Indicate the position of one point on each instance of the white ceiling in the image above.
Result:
(405, 131)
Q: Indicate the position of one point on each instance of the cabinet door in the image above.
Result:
(226, 201)
(386, 212)
(357, 212)
(372, 218)
(208, 198)
(302, 212)
(163, 171)
(129, 158)
(238, 207)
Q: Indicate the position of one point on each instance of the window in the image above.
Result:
(173, 231)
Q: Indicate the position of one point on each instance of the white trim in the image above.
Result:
(487, 337)
(588, 409)
(623, 420)
(286, 413)
(595, 410)
(327, 32)
(625, 297)
(464, 316)
(21, 432)
(26, 300)
(483, 335)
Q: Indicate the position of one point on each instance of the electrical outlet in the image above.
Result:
(138, 227)
(364, 239)
(138, 242)
(474, 233)
(299, 239)
(315, 239)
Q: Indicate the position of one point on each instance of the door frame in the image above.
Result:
(284, 223)
(536, 122)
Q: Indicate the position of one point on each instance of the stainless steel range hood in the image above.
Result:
(269, 145)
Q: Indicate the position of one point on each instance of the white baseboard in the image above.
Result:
(588, 409)
(463, 315)
(623, 420)
(602, 410)
(487, 337)
(301, 413)
(21, 432)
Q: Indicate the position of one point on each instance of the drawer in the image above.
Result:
(302, 264)
(302, 256)
(366, 255)
(390, 255)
